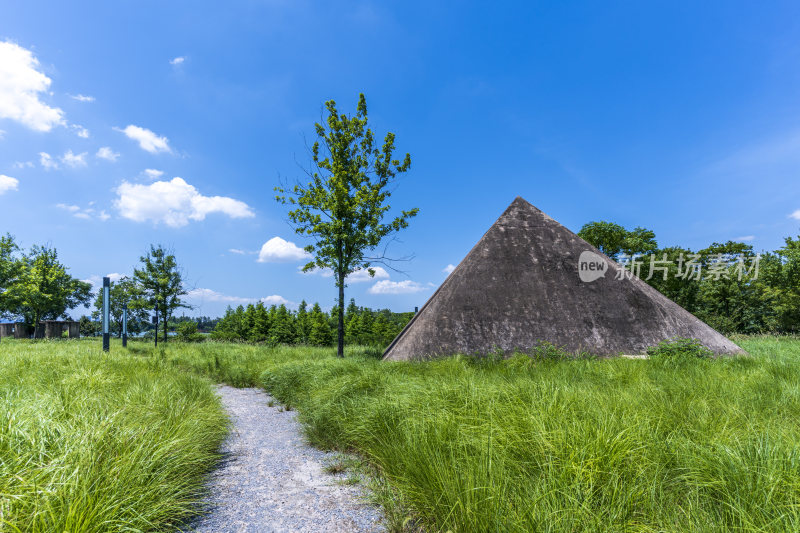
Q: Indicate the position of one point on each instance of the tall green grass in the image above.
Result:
(94, 443)
(526, 445)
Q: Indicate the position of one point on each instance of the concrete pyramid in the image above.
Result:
(530, 279)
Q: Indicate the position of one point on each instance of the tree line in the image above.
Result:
(727, 285)
(279, 325)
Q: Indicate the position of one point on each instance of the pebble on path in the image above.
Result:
(272, 481)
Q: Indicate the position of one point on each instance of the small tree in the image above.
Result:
(159, 285)
(343, 205)
(320, 333)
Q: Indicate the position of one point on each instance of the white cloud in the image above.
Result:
(396, 287)
(177, 61)
(236, 251)
(74, 160)
(106, 153)
(21, 85)
(324, 272)
(174, 203)
(47, 162)
(795, 215)
(97, 281)
(276, 250)
(80, 131)
(275, 300)
(449, 268)
(210, 295)
(82, 98)
(360, 275)
(153, 174)
(7, 183)
(86, 213)
(23, 164)
(148, 141)
(2, 134)
(745, 238)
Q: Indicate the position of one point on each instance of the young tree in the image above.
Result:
(343, 205)
(159, 285)
(89, 328)
(320, 331)
(302, 323)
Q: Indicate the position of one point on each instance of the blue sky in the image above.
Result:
(676, 116)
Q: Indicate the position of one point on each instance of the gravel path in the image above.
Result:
(272, 481)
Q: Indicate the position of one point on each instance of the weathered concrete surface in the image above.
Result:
(520, 285)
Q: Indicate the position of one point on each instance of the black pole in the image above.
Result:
(106, 290)
(125, 325)
(156, 321)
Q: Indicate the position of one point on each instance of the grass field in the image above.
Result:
(466, 445)
(94, 443)
(521, 445)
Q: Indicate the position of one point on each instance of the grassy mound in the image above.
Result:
(91, 442)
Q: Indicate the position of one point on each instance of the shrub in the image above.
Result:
(187, 332)
(683, 349)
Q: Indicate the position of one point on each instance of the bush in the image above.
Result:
(680, 349)
(187, 332)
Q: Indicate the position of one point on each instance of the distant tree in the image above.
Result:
(785, 287)
(343, 205)
(261, 325)
(607, 237)
(45, 290)
(187, 332)
(639, 241)
(122, 291)
(613, 239)
(11, 269)
(302, 323)
(282, 329)
(88, 327)
(159, 285)
(320, 333)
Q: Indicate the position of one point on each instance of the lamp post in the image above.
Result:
(106, 291)
(125, 325)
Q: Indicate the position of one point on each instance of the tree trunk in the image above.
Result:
(340, 340)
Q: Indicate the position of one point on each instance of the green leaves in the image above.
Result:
(612, 239)
(343, 204)
(36, 286)
(159, 284)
